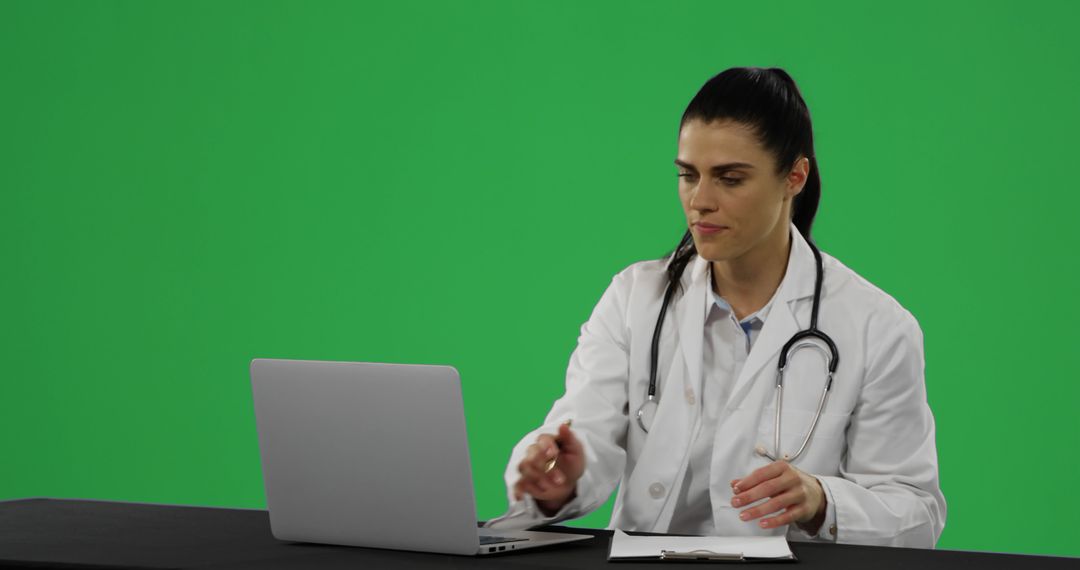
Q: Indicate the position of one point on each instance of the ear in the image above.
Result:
(796, 178)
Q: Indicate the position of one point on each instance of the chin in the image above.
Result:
(714, 252)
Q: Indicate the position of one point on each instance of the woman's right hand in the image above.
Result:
(551, 489)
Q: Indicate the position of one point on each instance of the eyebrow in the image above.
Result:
(719, 168)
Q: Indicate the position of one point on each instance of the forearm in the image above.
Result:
(888, 513)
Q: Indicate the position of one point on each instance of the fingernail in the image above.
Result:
(736, 502)
(736, 489)
(559, 479)
(764, 524)
(744, 516)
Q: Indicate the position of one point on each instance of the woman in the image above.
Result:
(700, 455)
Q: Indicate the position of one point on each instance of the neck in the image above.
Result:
(749, 281)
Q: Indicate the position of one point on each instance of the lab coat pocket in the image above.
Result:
(822, 452)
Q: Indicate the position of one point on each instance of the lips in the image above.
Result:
(707, 228)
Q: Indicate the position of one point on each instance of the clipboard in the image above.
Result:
(666, 548)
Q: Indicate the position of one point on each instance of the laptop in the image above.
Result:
(372, 454)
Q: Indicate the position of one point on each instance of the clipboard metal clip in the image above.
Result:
(700, 554)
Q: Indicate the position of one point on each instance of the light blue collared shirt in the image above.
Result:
(750, 324)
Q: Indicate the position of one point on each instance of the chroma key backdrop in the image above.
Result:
(185, 186)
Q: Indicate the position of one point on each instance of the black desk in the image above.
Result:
(99, 534)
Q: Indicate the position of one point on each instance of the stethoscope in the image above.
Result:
(798, 341)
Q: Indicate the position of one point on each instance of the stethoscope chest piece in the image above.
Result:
(646, 412)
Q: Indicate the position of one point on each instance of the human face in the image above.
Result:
(735, 203)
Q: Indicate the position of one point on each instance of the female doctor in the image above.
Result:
(693, 428)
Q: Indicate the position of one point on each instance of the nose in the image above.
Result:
(701, 199)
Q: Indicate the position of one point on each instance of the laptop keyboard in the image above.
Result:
(485, 540)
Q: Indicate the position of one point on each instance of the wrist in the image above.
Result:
(813, 524)
(550, 507)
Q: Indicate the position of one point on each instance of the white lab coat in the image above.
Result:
(873, 448)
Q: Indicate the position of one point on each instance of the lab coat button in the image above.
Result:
(656, 490)
(690, 397)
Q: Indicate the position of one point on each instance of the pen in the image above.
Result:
(551, 462)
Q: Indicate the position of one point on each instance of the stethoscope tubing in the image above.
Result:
(793, 344)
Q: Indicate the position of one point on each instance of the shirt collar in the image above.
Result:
(716, 301)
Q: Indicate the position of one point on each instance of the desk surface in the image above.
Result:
(100, 534)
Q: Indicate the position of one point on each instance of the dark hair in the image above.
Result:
(767, 101)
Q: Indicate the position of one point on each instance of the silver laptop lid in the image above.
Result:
(365, 454)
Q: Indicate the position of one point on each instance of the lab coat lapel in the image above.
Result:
(665, 455)
(691, 319)
(781, 322)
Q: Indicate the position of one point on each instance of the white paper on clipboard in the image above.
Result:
(724, 547)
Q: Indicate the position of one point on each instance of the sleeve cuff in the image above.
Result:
(568, 511)
(525, 514)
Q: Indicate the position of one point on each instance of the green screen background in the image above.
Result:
(188, 185)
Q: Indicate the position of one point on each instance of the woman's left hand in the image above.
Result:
(797, 494)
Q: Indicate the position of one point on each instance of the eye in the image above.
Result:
(687, 175)
(731, 181)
